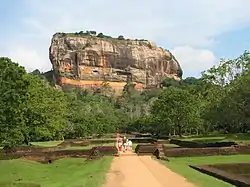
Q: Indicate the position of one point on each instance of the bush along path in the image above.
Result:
(131, 170)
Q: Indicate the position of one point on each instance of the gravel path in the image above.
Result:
(131, 171)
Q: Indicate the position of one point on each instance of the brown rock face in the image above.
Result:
(88, 61)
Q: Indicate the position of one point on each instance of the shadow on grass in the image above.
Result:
(235, 173)
(211, 140)
(181, 165)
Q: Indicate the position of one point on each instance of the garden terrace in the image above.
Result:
(237, 174)
(46, 155)
(33, 149)
(209, 151)
(162, 137)
(164, 142)
(143, 140)
(145, 149)
(85, 143)
(193, 144)
(106, 150)
(143, 135)
(238, 138)
(107, 141)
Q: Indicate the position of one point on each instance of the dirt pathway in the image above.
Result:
(142, 171)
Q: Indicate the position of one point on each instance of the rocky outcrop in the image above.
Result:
(87, 61)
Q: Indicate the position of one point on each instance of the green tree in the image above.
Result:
(92, 114)
(13, 99)
(176, 108)
(170, 82)
(46, 110)
(227, 96)
(228, 70)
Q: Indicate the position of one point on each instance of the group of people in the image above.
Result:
(123, 144)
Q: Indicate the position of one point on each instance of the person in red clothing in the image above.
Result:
(120, 145)
(118, 142)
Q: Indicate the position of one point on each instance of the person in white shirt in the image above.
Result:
(130, 145)
(124, 142)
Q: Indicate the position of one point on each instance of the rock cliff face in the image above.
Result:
(87, 61)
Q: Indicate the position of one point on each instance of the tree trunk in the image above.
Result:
(26, 136)
(179, 131)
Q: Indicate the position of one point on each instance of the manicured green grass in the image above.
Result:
(171, 145)
(180, 165)
(89, 147)
(134, 146)
(47, 144)
(70, 172)
(79, 147)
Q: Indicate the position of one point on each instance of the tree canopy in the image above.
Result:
(32, 109)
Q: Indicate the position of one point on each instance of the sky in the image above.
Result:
(197, 32)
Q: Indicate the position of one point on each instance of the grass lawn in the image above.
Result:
(89, 147)
(69, 172)
(180, 165)
(171, 145)
(47, 144)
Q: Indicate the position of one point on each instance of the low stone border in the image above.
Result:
(142, 149)
(51, 155)
(210, 151)
(193, 144)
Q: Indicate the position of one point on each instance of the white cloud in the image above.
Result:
(194, 61)
(29, 58)
(192, 23)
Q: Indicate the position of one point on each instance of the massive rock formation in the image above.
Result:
(87, 61)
